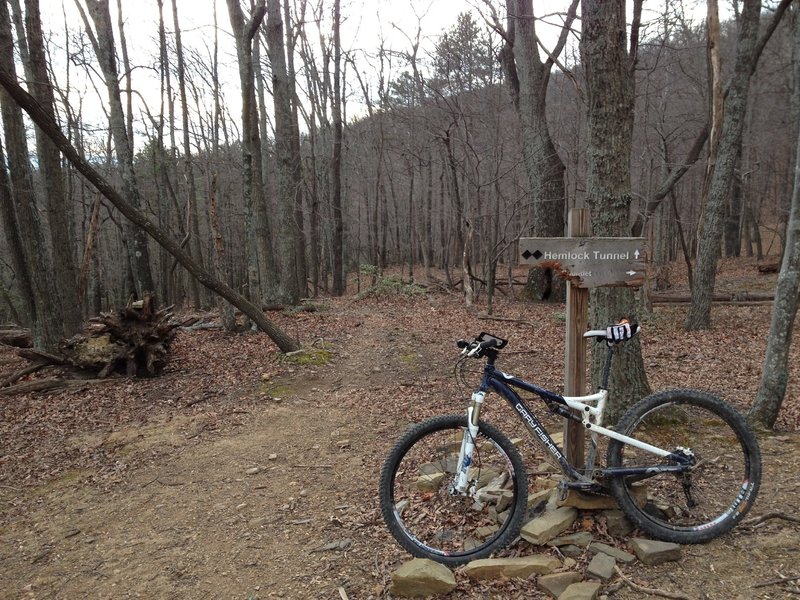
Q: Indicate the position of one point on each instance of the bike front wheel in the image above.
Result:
(708, 499)
(431, 520)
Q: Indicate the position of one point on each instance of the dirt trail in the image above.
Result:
(272, 506)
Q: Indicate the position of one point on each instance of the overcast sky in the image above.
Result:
(365, 24)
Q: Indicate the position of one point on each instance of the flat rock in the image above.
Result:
(579, 538)
(617, 523)
(571, 550)
(556, 583)
(429, 482)
(584, 590)
(422, 577)
(590, 501)
(601, 566)
(653, 552)
(544, 528)
(620, 555)
(538, 499)
(523, 566)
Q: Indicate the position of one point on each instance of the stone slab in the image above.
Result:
(506, 568)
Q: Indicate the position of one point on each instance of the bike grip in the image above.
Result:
(462, 344)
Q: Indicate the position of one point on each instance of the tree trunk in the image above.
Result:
(610, 95)
(10, 225)
(297, 171)
(46, 123)
(528, 77)
(61, 228)
(774, 378)
(260, 262)
(699, 316)
(218, 254)
(45, 303)
(339, 284)
(192, 209)
(138, 253)
(160, 163)
(288, 163)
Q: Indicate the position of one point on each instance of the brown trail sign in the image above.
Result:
(589, 262)
(585, 262)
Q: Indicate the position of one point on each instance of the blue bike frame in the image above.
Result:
(591, 408)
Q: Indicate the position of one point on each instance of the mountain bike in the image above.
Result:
(682, 464)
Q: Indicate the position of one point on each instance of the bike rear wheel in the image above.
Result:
(431, 522)
(709, 499)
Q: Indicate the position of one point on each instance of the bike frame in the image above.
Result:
(590, 407)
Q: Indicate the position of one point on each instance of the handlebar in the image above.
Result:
(620, 332)
(481, 343)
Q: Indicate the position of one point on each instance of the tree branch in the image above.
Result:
(694, 153)
(652, 591)
(50, 128)
(255, 20)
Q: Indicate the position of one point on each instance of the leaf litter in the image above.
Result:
(239, 474)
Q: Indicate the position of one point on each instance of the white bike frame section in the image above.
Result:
(591, 408)
(592, 417)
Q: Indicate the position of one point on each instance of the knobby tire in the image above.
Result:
(426, 519)
(723, 484)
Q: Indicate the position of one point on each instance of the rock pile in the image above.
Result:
(561, 578)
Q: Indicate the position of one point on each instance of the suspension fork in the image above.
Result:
(468, 443)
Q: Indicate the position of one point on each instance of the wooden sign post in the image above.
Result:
(577, 310)
(585, 262)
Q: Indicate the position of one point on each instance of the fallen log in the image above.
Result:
(766, 268)
(15, 336)
(48, 385)
(741, 297)
(29, 370)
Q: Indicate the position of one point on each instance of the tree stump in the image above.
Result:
(133, 340)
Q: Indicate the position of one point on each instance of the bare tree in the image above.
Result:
(775, 376)
(674, 175)
(699, 316)
(37, 275)
(339, 283)
(527, 77)
(261, 265)
(192, 208)
(289, 173)
(60, 225)
(137, 218)
(609, 67)
(139, 255)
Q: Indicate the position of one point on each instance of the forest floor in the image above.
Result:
(236, 474)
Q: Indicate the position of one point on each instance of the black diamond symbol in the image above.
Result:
(537, 255)
(526, 255)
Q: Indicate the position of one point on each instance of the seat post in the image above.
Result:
(607, 367)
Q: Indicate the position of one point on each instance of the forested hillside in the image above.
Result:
(431, 159)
